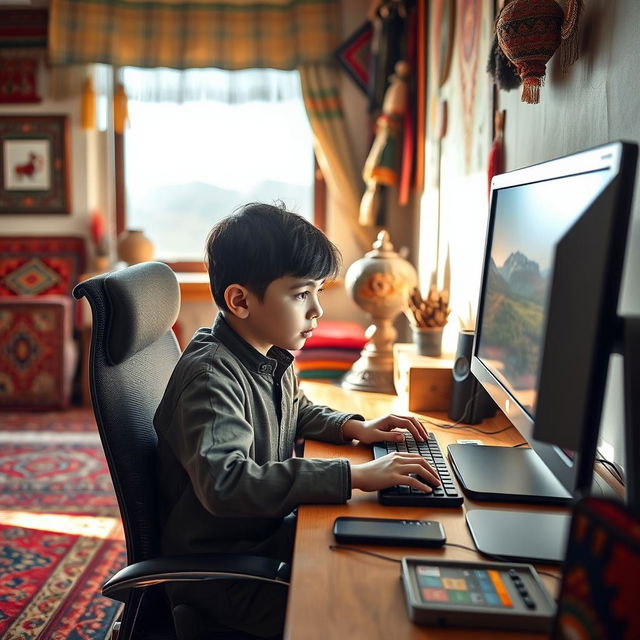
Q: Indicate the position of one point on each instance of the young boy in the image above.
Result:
(232, 411)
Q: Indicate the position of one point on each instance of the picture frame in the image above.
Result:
(34, 164)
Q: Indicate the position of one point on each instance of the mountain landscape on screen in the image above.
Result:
(513, 318)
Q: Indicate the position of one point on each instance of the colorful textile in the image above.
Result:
(18, 83)
(58, 477)
(468, 37)
(21, 28)
(354, 55)
(183, 35)
(321, 374)
(337, 335)
(330, 365)
(77, 420)
(599, 593)
(529, 34)
(35, 361)
(334, 150)
(50, 582)
(331, 350)
(39, 265)
(337, 355)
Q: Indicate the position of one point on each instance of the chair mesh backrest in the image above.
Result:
(126, 390)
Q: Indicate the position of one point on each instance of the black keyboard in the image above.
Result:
(448, 494)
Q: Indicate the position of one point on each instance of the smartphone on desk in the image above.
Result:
(389, 531)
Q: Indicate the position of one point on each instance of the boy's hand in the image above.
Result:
(381, 429)
(392, 469)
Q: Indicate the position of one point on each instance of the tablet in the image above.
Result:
(475, 594)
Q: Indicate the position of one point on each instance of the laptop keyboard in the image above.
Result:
(446, 495)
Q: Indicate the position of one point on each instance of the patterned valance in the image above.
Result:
(281, 34)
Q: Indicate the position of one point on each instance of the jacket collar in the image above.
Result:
(274, 363)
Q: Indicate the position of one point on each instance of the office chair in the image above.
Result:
(133, 352)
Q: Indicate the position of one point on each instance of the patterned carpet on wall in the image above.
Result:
(60, 534)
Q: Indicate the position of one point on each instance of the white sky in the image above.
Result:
(230, 146)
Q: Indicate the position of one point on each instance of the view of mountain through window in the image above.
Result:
(188, 165)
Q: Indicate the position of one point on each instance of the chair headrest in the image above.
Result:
(144, 301)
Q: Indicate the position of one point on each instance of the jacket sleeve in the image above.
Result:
(214, 442)
(318, 422)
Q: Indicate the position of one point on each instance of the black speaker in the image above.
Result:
(470, 403)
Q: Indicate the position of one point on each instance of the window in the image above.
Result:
(237, 137)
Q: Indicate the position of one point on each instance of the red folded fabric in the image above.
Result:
(333, 334)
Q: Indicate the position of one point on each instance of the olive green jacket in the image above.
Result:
(226, 429)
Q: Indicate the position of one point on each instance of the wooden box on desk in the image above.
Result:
(424, 381)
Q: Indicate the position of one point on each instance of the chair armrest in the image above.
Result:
(190, 568)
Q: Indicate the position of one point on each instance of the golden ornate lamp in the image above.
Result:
(380, 284)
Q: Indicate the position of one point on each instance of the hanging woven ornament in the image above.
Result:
(529, 34)
(499, 67)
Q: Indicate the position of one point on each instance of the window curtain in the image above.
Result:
(322, 102)
(278, 34)
(218, 85)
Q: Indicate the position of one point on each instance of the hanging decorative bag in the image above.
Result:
(530, 31)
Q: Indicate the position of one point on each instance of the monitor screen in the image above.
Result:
(528, 221)
(554, 251)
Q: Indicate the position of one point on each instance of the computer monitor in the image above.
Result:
(547, 324)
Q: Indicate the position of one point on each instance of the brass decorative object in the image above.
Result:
(379, 283)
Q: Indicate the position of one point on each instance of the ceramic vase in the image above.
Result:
(134, 247)
(379, 283)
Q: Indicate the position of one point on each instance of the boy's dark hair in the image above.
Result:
(259, 243)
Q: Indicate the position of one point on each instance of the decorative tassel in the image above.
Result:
(120, 110)
(531, 90)
(495, 164)
(88, 106)
(569, 32)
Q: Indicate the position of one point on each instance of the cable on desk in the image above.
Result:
(456, 425)
(344, 547)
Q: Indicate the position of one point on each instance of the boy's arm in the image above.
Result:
(212, 440)
(318, 422)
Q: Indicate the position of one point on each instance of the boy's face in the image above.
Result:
(286, 316)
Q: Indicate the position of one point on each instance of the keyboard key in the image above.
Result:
(445, 495)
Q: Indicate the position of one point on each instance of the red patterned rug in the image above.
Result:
(50, 580)
(56, 477)
(77, 420)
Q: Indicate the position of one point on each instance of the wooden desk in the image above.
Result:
(341, 594)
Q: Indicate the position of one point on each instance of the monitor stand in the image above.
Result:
(505, 474)
(521, 536)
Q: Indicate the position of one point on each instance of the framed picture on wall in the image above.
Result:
(34, 164)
